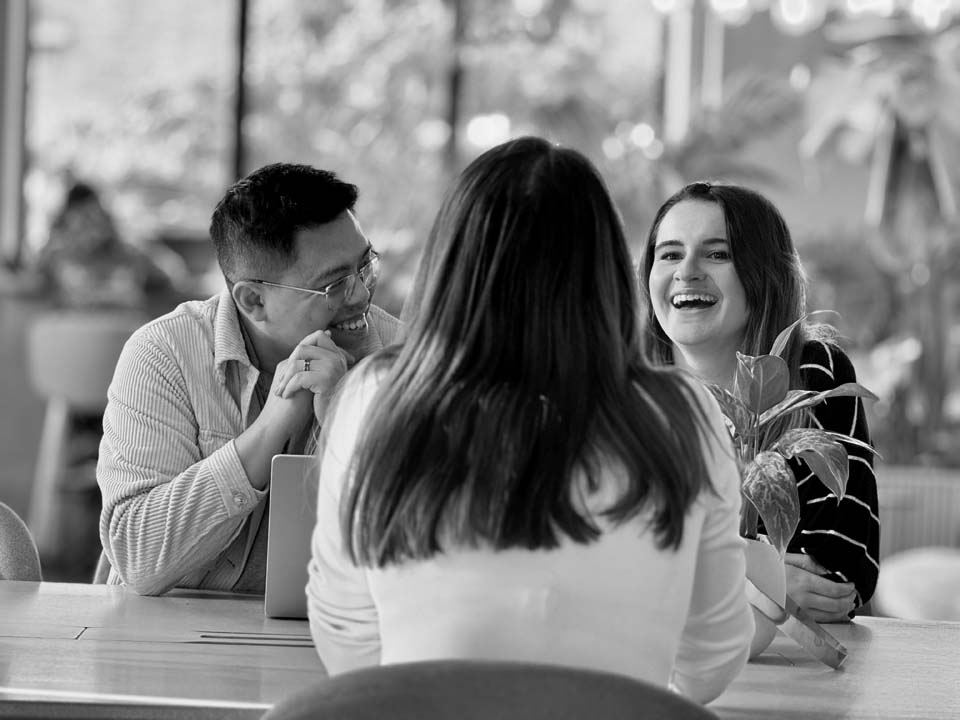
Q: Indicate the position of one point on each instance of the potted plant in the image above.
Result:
(771, 423)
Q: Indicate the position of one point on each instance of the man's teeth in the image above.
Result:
(696, 299)
(359, 323)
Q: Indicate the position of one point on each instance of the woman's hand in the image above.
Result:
(824, 599)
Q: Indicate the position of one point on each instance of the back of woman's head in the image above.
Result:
(520, 373)
(764, 257)
(526, 274)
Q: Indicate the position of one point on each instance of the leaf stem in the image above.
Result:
(748, 520)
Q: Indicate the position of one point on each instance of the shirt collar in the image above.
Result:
(227, 337)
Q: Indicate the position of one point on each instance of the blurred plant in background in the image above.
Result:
(398, 96)
(755, 105)
(891, 99)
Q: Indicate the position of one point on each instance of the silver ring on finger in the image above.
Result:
(306, 365)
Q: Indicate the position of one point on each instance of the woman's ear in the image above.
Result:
(249, 299)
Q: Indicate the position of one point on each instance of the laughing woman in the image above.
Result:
(720, 274)
(516, 482)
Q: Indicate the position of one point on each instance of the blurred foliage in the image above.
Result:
(366, 88)
(891, 98)
(392, 95)
(754, 106)
(111, 102)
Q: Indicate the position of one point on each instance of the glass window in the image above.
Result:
(398, 96)
(135, 99)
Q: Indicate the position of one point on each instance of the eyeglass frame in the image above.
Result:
(373, 260)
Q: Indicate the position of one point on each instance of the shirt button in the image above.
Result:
(239, 499)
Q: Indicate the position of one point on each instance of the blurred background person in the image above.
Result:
(86, 264)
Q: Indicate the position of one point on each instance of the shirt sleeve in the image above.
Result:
(343, 617)
(170, 507)
(719, 627)
(842, 535)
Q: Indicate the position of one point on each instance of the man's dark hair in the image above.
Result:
(254, 225)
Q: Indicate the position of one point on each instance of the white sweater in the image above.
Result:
(618, 604)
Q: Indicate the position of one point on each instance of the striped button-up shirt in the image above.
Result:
(178, 508)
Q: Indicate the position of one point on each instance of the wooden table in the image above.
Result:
(93, 651)
(896, 669)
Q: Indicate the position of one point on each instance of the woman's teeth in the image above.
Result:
(688, 300)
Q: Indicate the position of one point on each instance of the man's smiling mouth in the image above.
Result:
(354, 324)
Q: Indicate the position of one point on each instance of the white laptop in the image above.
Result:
(293, 513)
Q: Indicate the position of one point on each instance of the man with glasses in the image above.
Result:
(204, 397)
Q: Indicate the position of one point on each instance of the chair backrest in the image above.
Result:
(19, 559)
(73, 355)
(484, 690)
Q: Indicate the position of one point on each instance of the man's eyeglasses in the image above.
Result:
(337, 292)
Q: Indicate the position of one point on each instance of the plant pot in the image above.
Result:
(766, 572)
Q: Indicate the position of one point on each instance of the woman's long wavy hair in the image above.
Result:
(767, 265)
(521, 374)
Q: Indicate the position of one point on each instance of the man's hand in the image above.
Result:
(298, 387)
(824, 599)
(315, 365)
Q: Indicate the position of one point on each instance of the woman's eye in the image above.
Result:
(670, 256)
(720, 255)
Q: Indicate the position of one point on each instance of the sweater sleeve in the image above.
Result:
(716, 637)
(842, 535)
(170, 507)
(344, 620)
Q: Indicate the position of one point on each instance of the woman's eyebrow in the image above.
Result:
(667, 243)
(677, 243)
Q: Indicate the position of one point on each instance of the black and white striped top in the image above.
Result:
(844, 535)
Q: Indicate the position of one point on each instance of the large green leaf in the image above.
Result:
(783, 339)
(826, 457)
(739, 420)
(770, 487)
(800, 399)
(780, 344)
(761, 381)
(853, 441)
(786, 406)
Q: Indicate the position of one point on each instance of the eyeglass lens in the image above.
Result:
(338, 292)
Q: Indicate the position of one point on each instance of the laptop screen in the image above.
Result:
(293, 513)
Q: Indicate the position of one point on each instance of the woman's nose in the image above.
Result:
(688, 269)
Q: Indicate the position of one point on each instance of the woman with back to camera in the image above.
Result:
(515, 482)
(720, 274)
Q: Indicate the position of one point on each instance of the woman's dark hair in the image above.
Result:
(767, 265)
(521, 376)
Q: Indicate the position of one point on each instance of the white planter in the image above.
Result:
(766, 572)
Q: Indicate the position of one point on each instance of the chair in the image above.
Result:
(920, 584)
(484, 690)
(19, 559)
(70, 361)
